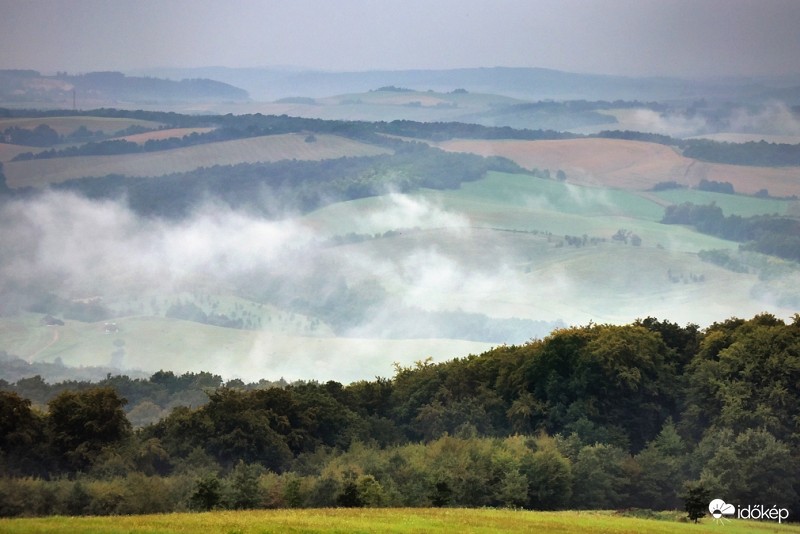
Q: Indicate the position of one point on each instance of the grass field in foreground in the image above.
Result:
(384, 520)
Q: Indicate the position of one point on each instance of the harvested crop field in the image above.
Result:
(7, 151)
(627, 164)
(38, 173)
(67, 125)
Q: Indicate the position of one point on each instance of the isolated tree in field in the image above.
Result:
(696, 499)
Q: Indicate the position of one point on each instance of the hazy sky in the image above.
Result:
(629, 37)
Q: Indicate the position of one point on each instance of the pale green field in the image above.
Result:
(404, 520)
(519, 202)
(67, 125)
(38, 173)
(489, 246)
(153, 343)
(253, 314)
(744, 206)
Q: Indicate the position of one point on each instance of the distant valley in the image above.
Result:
(328, 235)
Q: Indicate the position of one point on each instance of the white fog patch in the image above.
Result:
(647, 120)
(405, 211)
(433, 281)
(79, 243)
(589, 197)
(227, 243)
(774, 118)
(418, 280)
(65, 243)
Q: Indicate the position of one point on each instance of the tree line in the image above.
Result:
(590, 417)
(767, 234)
(239, 126)
(275, 188)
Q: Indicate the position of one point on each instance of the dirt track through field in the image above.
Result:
(56, 337)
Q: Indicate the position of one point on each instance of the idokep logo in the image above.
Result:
(721, 511)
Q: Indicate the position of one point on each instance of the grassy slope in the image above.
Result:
(521, 202)
(744, 206)
(383, 520)
(498, 259)
(523, 272)
(251, 150)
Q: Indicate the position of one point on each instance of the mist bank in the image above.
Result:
(306, 301)
(92, 262)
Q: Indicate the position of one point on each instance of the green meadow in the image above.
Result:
(404, 520)
(524, 203)
(744, 206)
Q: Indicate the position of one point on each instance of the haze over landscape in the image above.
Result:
(399, 271)
(618, 37)
(458, 261)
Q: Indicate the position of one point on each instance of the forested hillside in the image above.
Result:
(591, 417)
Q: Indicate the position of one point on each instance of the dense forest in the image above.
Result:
(590, 417)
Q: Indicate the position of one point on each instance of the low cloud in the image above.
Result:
(403, 211)
(774, 118)
(647, 120)
(397, 297)
(64, 244)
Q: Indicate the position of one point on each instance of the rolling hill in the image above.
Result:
(38, 173)
(342, 288)
(632, 165)
(22, 87)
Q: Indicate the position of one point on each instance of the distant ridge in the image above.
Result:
(31, 86)
(267, 84)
